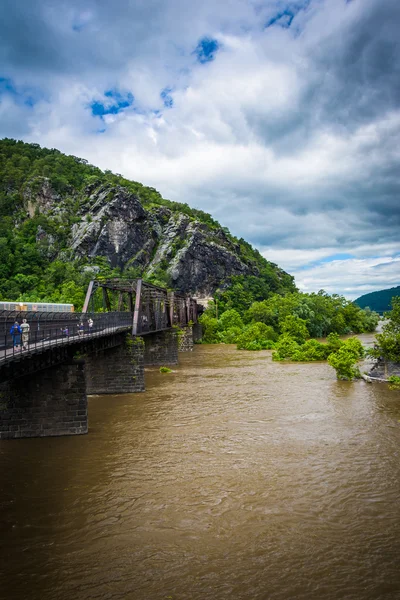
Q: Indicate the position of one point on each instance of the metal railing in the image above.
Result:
(52, 329)
(151, 309)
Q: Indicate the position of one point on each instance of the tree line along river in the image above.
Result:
(234, 477)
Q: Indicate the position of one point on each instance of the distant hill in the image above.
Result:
(378, 301)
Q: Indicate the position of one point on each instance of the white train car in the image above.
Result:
(36, 307)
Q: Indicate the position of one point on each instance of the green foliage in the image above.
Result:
(165, 370)
(210, 328)
(311, 351)
(230, 318)
(295, 327)
(333, 342)
(256, 336)
(388, 342)
(286, 348)
(394, 382)
(320, 313)
(345, 359)
(230, 335)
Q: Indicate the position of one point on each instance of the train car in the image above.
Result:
(36, 307)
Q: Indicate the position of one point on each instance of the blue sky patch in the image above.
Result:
(285, 17)
(206, 49)
(20, 96)
(115, 103)
(332, 257)
(166, 97)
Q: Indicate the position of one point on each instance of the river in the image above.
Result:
(231, 478)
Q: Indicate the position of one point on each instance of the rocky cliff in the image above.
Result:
(171, 247)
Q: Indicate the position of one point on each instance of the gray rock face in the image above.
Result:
(40, 196)
(195, 257)
(116, 226)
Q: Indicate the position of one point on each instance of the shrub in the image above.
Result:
(295, 327)
(333, 342)
(286, 347)
(311, 350)
(230, 318)
(394, 382)
(345, 359)
(231, 335)
(165, 370)
(210, 329)
(257, 336)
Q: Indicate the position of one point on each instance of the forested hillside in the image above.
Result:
(379, 301)
(64, 221)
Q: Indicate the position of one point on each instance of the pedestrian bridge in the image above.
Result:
(124, 326)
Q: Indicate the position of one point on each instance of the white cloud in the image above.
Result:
(351, 277)
(289, 137)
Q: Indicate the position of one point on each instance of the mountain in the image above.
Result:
(63, 221)
(378, 301)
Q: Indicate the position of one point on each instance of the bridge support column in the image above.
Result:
(50, 402)
(118, 370)
(186, 339)
(161, 348)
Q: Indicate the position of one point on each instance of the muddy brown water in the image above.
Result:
(232, 478)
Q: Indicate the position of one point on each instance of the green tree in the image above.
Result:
(388, 342)
(295, 328)
(345, 359)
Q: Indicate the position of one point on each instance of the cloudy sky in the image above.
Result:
(280, 118)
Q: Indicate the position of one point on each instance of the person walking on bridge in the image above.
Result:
(25, 328)
(16, 334)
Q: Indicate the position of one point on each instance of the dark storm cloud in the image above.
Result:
(359, 66)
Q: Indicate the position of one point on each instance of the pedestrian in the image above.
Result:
(81, 329)
(90, 325)
(25, 329)
(16, 334)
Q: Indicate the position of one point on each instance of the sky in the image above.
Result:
(279, 117)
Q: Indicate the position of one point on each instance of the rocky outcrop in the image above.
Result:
(196, 258)
(39, 196)
(115, 226)
(156, 242)
(384, 369)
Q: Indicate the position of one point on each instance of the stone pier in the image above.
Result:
(161, 348)
(50, 402)
(118, 370)
(186, 339)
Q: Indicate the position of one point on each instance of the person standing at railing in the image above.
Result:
(90, 325)
(81, 329)
(16, 334)
(25, 329)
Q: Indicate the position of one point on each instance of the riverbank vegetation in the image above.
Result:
(294, 317)
(289, 325)
(387, 344)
